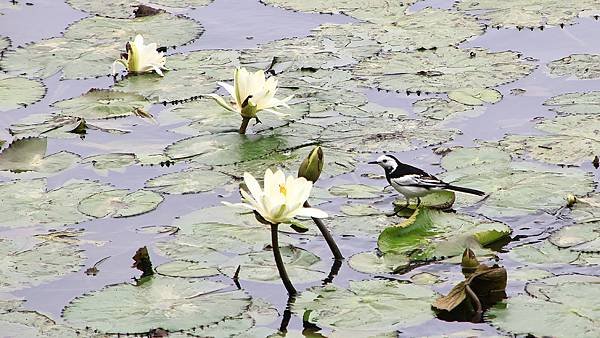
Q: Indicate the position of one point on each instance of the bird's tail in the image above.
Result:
(465, 190)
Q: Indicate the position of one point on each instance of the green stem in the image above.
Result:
(279, 261)
(245, 121)
(337, 254)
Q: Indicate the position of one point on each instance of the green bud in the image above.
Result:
(312, 165)
(469, 262)
(248, 108)
(571, 200)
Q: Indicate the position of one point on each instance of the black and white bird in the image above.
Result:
(413, 182)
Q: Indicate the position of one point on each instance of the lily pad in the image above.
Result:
(189, 181)
(527, 13)
(376, 263)
(102, 104)
(172, 304)
(436, 200)
(440, 109)
(581, 237)
(49, 125)
(124, 8)
(586, 209)
(436, 71)
(186, 269)
(31, 324)
(369, 226)
(28, 262)
(475, 96)
(4, 43)
(514, 188)
(551, 303)
(357, 191)
(575, 103)
(28, 202)
(432, 234)
(366, 307)
(542, 254)
(119, 203)
(89, 46)
(579, 66)
(18, 92)
(29, 154)
(112, 161)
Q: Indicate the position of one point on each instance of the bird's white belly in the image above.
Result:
(412, 191)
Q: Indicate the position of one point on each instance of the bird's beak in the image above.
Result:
(373, 162)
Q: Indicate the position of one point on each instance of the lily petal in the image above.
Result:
(221, 102)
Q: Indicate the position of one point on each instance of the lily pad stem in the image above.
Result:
(279, 262)
(245, 121)
(337, 254)
(475, 300)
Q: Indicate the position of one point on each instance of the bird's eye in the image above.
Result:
(384, 161)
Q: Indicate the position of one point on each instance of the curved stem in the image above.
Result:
(279, 261)
(337, 254)
(475, 299)
(245, 121)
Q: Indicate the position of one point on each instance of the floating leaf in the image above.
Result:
(575, 103)
(366, 307)
(581, 237)
(475, 96)
(527, 13)
(27, 324)
(125, 8)
(90, 46)
(172, 304)
(119, 203)
(543, 254)
(356, 191)
(580, 66)
(375, 263)
(102, 104)
(435, 71)
(437, 200)
(113, 161)
(49, 125)
(440, 109)
(188, 181)
(26, 262)
(17, 92)
(360, 225)
(186, 269)
(29, 154)
(551, 303)
(4, 43)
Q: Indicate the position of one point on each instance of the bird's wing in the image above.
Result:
(419, 181)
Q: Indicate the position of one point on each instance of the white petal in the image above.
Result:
(229, 88)
(253, 186)
(311, 212)
(221, 102)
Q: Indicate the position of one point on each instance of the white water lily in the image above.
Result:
(251, 93)
(141, 58)
(282, 198)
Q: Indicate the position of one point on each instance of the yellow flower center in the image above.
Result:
(282, 189)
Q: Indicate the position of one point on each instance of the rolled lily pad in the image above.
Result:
(89, 46)
(475, 96)
(580, 66)
(124, 8)
(551, 303)
(29, 154)
(102, 104)
(49, 125)
(513, 188)
(431, 234)
(301, 266)
(366, 307)
(28, 262)
(440, 109)
(192, 75)
(171, 304)
(18, 92)
(527, 13)
(188, 181)
(119, 203)
(575, 103)
(28, 202)
(435, 71)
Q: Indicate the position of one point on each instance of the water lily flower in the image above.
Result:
(141, 58)
(282, 198)
(251, 93)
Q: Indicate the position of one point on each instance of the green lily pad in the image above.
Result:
(301, 266)
(191, 76)
(119, 203)
(112, 161)
(575, 103)
(586, 209)
(186, 269)
(514, 188)
(102, 104)
(29, 154)
(435, 71)
(579, 66)
(28, 202)
(4, 43)
(172, 304)
(527, 13)
(440, 109)
(89, 46)
(366, 307)
(551, 303)
(18, 92)
(49, 125)
(475, 96)
(542, 254)
(432, 234)
(436, 200)
(124, 8)
(189, 181)
(376, 263)
(369, 226)
(357, 191)
(581, 237)
(31, 324)
(29, 262)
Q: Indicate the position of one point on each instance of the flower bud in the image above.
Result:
(571, 200)
(312, 165)
(249, 109)
(469, 262)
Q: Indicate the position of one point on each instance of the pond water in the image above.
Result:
(247, 24)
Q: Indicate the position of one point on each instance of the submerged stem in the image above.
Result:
(279, 261)
(245, 121)
(337, 254)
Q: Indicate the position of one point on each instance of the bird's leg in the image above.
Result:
(418, 202)
(397, 213)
